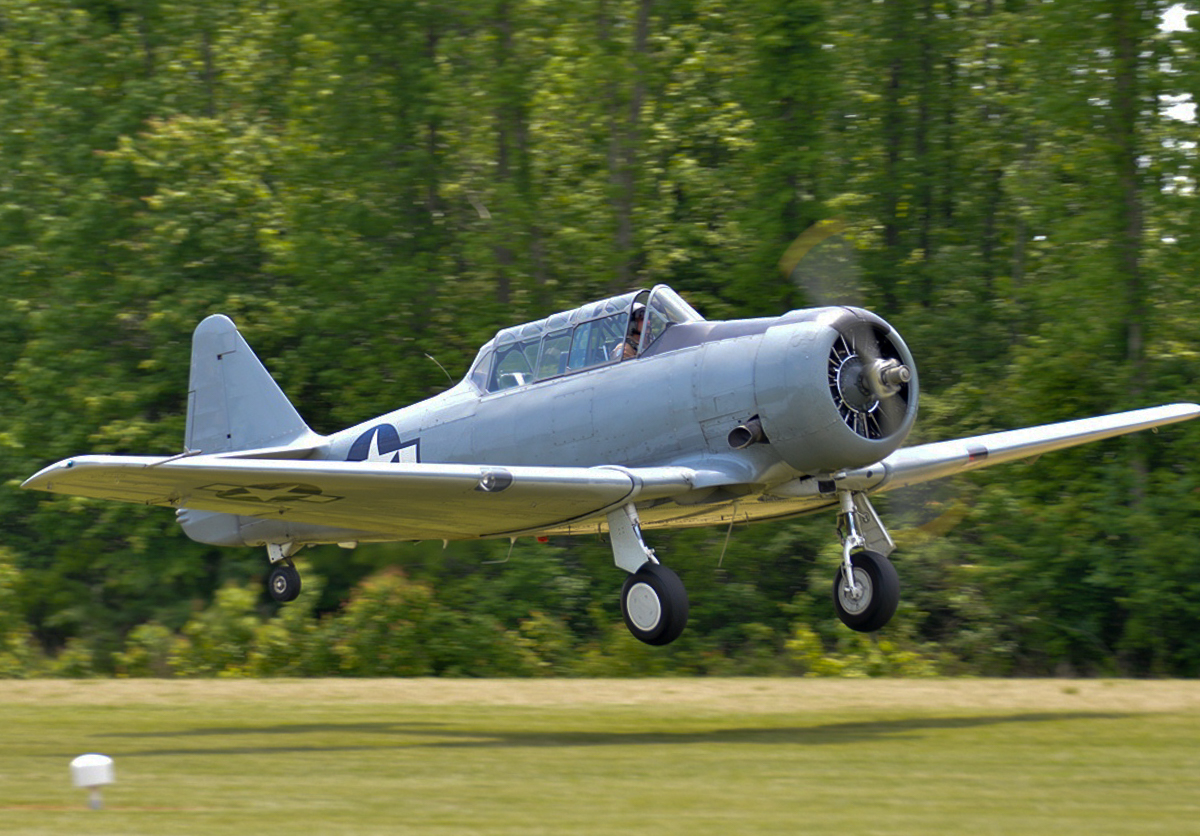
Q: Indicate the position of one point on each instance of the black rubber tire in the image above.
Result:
(882, 595)
(284, 584)
(655, 585)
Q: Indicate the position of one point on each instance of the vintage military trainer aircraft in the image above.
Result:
(626, 414)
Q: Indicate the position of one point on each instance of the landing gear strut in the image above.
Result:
(866, 590)
(654, 602)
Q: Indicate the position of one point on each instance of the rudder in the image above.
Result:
(233, 402)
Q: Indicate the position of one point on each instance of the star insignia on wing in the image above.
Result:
(273, 494)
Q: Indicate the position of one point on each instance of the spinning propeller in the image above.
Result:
(867, 380)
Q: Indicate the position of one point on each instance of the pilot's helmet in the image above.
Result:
(639, 311)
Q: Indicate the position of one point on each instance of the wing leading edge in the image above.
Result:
(926, 462)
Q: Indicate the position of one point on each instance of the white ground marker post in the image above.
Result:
(92, 772)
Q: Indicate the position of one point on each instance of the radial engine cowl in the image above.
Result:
(836, 388)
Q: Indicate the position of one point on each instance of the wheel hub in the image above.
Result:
(643, 606)
(855, 600)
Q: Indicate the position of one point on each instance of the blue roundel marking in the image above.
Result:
(375, 445)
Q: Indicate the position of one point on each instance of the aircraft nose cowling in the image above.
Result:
(835, 389)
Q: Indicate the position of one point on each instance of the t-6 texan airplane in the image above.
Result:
(626, 414)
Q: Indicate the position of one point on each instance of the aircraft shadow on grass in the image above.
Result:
(436, 735)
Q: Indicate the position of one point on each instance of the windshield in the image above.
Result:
(664, 309)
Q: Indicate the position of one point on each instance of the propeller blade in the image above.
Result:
(891, 413)
(865, 342)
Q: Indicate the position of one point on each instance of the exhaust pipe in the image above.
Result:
(743, 435)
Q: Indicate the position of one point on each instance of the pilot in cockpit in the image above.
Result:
(629, 346)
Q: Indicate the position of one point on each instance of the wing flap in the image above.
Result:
(399, 501)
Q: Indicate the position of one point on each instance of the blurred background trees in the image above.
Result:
(360, 183)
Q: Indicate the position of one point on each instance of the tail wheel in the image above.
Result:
(876, 593)
(654, 604)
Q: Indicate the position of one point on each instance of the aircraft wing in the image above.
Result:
(387, 501)
(419, 501)
(924, 462)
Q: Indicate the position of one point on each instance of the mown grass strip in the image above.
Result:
(568, 757)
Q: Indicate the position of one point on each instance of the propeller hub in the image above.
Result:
(884, 377)
(851, 378)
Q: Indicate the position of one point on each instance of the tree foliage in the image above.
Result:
(363, 183)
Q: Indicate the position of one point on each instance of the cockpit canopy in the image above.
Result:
(587, 337)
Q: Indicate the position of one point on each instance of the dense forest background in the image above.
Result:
(362, 183)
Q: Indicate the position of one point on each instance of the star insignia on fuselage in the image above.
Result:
(382, 444)
(405, 453)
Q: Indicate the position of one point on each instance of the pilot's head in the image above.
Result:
(636, 318)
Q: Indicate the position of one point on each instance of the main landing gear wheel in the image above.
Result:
(654, 604)
(284, 583)
(873, 601)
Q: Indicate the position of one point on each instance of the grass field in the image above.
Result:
(656, 756)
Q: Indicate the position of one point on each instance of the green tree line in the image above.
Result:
(363, 183)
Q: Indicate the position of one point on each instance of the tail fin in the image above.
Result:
(233, 402)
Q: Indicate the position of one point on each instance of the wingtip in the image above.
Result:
(1184, 411)
(66, 475)
(40, 481)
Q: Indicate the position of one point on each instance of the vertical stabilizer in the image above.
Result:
(233, 402)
